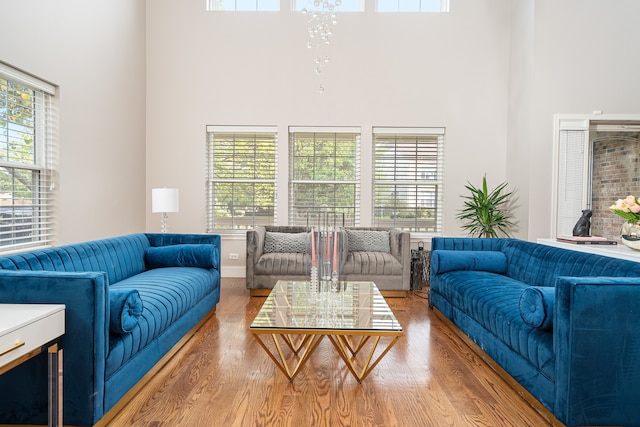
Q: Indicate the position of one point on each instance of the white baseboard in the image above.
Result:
(233, 271)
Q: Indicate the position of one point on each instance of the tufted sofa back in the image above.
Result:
(119, 257)
(541, 265)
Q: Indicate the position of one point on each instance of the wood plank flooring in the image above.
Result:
(222, 377)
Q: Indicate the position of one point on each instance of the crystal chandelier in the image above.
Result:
(321, 20)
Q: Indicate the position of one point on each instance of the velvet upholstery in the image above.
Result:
(389, 269)
(492, 261)
(101, 367)
(537, 305)
(583, 362)
(187, 255)
(125, 308)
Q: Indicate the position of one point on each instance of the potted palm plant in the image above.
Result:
(485, 212)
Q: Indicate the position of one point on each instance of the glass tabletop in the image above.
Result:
(356, 306)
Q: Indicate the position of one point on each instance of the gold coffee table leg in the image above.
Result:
(302, 351)
(343, 346)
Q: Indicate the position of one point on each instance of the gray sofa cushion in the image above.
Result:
(283, 264)
(372, 263)
(275, 242)
(368, 241)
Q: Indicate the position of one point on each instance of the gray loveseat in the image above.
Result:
(282, 253)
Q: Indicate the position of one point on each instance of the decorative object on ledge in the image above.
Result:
(630, 235)
(629, 209)
(583, 226)
(164, 200)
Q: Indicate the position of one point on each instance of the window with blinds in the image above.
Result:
(408, 178)
(26, 161)
(324, 173)
(573, 178)
(241, 177)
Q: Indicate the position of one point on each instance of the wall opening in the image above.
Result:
(615, 174)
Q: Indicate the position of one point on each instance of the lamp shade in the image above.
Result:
(164, 200)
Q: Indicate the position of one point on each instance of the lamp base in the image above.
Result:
(164, 222)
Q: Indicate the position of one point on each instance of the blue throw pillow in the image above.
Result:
(125, 308)
(536, 306)
(187, 255)
(443, 261)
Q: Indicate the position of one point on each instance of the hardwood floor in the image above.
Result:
(222, 377)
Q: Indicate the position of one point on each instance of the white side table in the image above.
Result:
(27, 330)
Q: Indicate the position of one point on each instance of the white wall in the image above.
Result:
(95, 53)
(519, 111)
(493, 72)
(204, 68)
(584, 59)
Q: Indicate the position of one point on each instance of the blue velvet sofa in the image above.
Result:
(129, 300)
(562, 326)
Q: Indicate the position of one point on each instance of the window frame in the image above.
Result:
(304, 5)
(210, 6)
(384, 135)
(296, 214)
(444, 7)
(240, 221)
(34, 226)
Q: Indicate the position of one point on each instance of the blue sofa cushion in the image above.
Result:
(492, 301)
(187, 255)
(125, 308)
(536, 306)
(167, 295)
(444, 261)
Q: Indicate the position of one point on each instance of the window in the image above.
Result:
(26, 152)
(408, 178)
(328, 6)
(412, 6)
(572, 188)
(244, 5)
(324, 173)
(241, 177)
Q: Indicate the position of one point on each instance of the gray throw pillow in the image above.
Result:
(286, 242)
(368, 241)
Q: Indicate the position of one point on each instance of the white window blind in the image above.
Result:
(573, 161)
(27, 154)
(324, 173)
(407, 182)
(241, 177)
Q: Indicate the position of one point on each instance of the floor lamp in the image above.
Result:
(164, 200)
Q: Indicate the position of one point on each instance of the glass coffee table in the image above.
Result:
(356, 318)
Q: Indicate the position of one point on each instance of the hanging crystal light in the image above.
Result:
(321, 20)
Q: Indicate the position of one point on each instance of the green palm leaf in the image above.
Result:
(483, 214)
